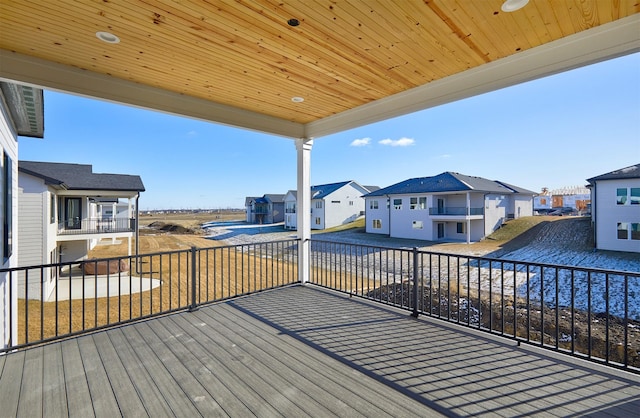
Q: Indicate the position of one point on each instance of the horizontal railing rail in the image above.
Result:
(96, 226)
(98, 293)
(456, 211)
(585, 312)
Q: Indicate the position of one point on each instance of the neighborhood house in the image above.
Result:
(268, 209)
(332, 205)
(449, 206)
(615, 210)
(65, 210)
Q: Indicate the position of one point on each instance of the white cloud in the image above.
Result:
(402, 142)
(360, 142)
(192, 133)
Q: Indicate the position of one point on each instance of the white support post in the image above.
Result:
(303, 147)
(468, 218)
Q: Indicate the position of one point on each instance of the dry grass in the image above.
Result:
(222, 273)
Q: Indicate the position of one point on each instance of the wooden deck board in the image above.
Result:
(153, 362)
(235, 395)
(10, 383)
(303, 351)
(30, 399)
(102, 397)
(54, 402)
(124, 391)
(153, 400)
(76, 385)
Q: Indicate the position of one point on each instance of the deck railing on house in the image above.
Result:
(96, 226)
(455, 211)
(588, 313)
(98, 293)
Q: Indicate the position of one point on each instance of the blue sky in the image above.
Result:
(553, 132)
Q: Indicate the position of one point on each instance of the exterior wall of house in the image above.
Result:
(290, 212)
(8, 300)
(522, 205)
(343, 206)
(495, 212)
(611, 216)
(37, 243)
(276, 212)
(409, 223)
(317, 213)
(376, 215)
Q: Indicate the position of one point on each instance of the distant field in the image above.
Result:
(190, 221)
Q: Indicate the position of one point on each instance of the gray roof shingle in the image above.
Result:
(631, 172)
(448, 182)
(80, 177)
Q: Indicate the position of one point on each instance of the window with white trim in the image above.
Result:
(319, 204)
(397, 204)
(373, 204)
(460, 227)
(376, 224)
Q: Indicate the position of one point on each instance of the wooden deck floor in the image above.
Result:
(302, 351)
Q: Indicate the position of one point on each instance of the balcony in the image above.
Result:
(453, 211)
(483, 336)
(96, 226)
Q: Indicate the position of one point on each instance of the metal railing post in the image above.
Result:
(414, 298)
(194, 306)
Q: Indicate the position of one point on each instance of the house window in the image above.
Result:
(373, 204)
(317, 221)
(460, 227)
(634, 198)
(416, 224)
(376, 224)
(635, 231)
(335, 201)
(52, 209)
(319, 204)
(7, 183)
(418, 203)
(351, 203)
(621, 196)
(397, 204)
(623, 232)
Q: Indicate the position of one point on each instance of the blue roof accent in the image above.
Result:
(323, 190)
(445, 182)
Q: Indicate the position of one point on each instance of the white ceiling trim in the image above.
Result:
(615, 39)
(53, 76)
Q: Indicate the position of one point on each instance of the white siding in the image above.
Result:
(495, 212)
(609, 214)
(9, 301)
(350, 205)
(381, 214)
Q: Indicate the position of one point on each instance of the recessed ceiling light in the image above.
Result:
(513, 5)
(297, 99)
(108, 37)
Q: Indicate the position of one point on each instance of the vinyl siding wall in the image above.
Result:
(609, 214)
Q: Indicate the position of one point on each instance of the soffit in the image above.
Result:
(353, 62)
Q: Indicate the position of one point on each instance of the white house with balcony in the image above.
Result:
(615, 209)
(21, 115)
(332, 205)
(65, 210)
(449, 206)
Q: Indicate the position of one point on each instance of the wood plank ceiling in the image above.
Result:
(243, 55)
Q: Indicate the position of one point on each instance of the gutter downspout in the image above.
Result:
(389, 211)
(137, 232)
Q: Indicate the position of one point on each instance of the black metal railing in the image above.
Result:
(455, 211)
(584, 312)
(95, 226)
(98, 293)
